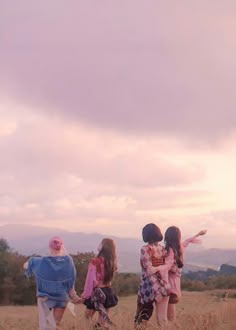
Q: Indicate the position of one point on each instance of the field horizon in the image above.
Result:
(196, 310)
(31, 239)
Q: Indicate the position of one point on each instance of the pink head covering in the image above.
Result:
(55, 243)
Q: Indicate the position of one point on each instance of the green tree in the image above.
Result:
(4, 246)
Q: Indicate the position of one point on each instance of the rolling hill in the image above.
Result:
(27, 240)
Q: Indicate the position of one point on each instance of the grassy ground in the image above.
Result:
(202, 311)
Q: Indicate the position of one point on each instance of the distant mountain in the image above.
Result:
(193, 268)
(200, 275)
(227, 270)
(27, 240)
(213, 258)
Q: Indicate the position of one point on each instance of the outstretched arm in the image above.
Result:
(28, 267)
(194, 238)
(202, 232)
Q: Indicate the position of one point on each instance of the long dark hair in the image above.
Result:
(108, 252)
(173, 240)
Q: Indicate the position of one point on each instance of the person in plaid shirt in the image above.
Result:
(154, 287)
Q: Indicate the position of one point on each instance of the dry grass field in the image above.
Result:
(203, 311)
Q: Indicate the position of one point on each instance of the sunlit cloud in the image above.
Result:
(83, 178)
(106, 123)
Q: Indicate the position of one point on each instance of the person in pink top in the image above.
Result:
(175, 249)
(97, 294)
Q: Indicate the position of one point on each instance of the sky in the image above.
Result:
(117, 114)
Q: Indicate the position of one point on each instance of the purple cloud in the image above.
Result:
(133, 66)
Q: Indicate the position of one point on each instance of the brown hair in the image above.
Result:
(108, 252)
(173, 240)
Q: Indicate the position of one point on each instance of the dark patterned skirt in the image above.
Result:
(143, 312)
(111, 299)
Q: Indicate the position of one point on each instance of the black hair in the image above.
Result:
(151, 233)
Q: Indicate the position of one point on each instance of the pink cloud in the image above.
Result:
(133, 66)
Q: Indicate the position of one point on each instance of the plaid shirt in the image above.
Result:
(152, 287)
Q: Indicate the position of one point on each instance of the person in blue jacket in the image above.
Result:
(55, 279)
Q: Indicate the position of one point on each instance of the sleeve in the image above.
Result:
(193, 239)
(74, 269)
(169, 261)
(29, 267)
(90, 282)
(164, 269)
(145, 259)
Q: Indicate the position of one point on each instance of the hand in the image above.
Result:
(25, 266)
(76, 299)
(152, 270)
(202, 232)
(81, 300)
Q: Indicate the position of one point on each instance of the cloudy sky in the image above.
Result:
(115, 114)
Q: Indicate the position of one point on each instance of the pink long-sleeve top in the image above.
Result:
(95, 276)
(170, 271)
(175, 272)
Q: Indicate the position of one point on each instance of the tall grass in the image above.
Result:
(202, 311)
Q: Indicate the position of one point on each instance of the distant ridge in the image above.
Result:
(30, 239)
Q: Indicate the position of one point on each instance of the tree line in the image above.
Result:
(224, 278)
(16, 289)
